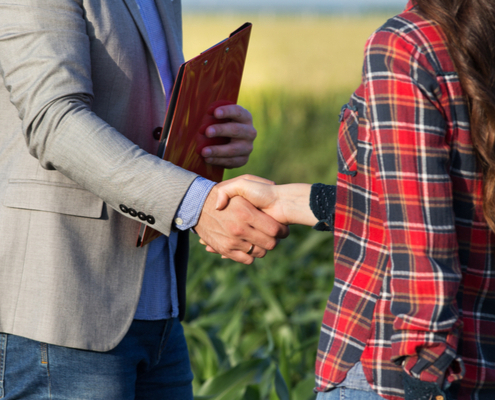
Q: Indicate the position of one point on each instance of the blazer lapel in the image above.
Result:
(170, 14)
(136, 15)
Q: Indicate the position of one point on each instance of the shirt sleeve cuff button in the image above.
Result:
(179, 221)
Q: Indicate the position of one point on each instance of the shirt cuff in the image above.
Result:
(429, 356)
(447, 367)
(322, 202)
(188, 213)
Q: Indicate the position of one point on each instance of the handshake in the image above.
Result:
(244, 217)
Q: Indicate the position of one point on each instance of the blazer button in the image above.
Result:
(124, 209)
(132, 212)
(142, 216)
(157, 132)
(150, 219)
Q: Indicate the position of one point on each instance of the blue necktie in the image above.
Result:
(155, 31)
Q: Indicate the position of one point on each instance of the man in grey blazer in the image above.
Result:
(84, 313)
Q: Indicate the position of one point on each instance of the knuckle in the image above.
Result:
(218, 161)
(273, 230)
(229, 246)
(246, 114)
(240, 162)
(271, 244)
(237, 230)
(261, 253)
(246, 215)
(232, 151)
(243, 213)
(251, 134)
(238, 112)
(224, 162)
(248, 177)
(236, 130)
(237, 258)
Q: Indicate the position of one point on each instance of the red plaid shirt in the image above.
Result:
(414, 279)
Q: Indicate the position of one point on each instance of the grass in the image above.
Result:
(252, 330)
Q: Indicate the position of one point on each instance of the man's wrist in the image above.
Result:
(189, 211)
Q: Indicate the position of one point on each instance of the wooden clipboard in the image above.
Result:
(203, 83)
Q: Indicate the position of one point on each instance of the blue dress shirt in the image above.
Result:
(159, 291)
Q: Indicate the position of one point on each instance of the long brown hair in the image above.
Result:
(469, 26)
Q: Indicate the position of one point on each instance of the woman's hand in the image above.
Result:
(288, 204)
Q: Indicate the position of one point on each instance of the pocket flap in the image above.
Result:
(347, 143)
(52, 197)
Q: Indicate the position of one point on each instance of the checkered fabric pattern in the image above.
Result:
(414, 282)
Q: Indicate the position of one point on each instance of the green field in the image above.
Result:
(310, 54)
(253, 330)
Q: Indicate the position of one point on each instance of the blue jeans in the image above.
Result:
(151, 362)
(343, 393)
(354, 387)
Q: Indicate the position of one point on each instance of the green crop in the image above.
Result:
(253, 331)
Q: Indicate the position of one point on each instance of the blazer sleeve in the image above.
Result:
(45, 62)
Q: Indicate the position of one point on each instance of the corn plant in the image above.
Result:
(253, 330)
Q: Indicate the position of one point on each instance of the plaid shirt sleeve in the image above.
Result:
(407, 126)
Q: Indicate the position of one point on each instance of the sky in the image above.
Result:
(292, 5)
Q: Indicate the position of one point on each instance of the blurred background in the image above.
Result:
(253, 330)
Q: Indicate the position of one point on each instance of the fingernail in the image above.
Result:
(210, 131)
(219, 113)
(206, 152)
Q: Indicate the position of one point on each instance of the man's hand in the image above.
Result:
(287, 204)
(232, 231)
(241, 132)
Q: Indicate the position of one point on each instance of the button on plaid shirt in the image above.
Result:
(414, 281)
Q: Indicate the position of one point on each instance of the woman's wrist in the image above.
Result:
(294, 200)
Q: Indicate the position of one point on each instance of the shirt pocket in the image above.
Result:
(347, 148)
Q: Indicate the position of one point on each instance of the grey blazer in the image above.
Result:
(80, 96)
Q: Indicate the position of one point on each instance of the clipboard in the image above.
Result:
(203, 83)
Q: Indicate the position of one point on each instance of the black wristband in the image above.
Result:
(322, 203)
